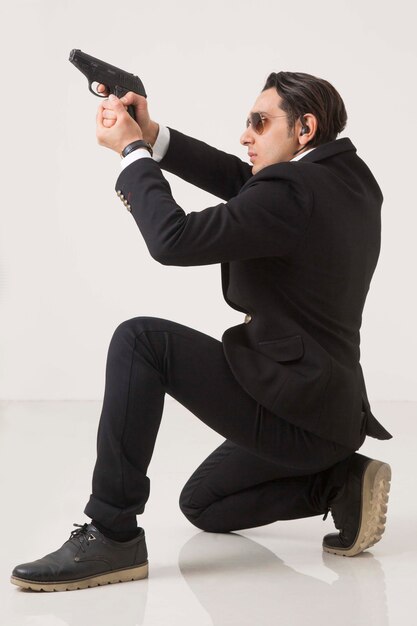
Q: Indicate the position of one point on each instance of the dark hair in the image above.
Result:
(303, 93)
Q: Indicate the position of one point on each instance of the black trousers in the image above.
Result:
(265, 470)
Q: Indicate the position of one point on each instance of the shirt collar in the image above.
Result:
(300, 156)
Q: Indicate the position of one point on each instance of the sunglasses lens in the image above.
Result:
(255, 120)
(257, 123)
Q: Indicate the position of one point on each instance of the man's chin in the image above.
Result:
(257, 168)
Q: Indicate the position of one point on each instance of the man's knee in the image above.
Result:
(188, 508)
(133, 324)
(199, 516)
(128, 330)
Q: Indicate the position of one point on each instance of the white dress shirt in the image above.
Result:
(160, 148)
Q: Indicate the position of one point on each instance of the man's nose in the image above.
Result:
(246, 137)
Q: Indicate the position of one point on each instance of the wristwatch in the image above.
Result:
(139, 143)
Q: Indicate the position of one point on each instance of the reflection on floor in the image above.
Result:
(272, 574)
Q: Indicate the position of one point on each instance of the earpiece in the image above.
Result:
(304, 129)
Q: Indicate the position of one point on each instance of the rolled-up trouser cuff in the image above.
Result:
(111, 516)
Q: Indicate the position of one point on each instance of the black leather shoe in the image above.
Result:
(359, 509)
(86, 559)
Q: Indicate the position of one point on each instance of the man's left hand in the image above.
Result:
(123, 129)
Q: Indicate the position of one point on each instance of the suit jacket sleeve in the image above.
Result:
(266, 218)
(213, 170)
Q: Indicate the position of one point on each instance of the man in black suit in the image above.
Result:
(298, 239)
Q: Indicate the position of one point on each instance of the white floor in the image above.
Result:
(275, 574)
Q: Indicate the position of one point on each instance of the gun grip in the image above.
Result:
(119, 92)
(131, 111)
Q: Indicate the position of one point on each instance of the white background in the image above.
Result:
(73, 264)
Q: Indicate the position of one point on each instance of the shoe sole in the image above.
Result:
(375, 488)
(116, 576)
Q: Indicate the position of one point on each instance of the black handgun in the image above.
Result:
(116, 80)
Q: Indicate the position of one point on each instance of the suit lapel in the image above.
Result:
(225, 284)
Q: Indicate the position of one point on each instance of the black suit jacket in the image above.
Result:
(298, 243)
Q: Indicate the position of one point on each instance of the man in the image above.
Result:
(298, 239)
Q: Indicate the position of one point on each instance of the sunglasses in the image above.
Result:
(259, 121)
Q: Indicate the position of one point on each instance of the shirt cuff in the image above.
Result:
(161, 145)
(140, 153)
(159, 148)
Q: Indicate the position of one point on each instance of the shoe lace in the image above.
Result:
(81, 535)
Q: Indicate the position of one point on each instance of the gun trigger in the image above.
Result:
(95, 92)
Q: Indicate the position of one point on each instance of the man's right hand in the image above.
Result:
(150, 129)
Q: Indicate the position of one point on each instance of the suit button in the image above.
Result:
(248, 318)
(119, 193)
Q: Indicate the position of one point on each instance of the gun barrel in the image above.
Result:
(79, 57)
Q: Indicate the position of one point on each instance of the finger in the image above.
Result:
(109, 123)
(99, 116)
(128, 98)
(132, 98)
(109, 114)
(115, 104)
(109, 106)
(102, 89)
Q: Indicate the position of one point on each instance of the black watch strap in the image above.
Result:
(139, 143)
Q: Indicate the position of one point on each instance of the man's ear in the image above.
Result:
(307, 128)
